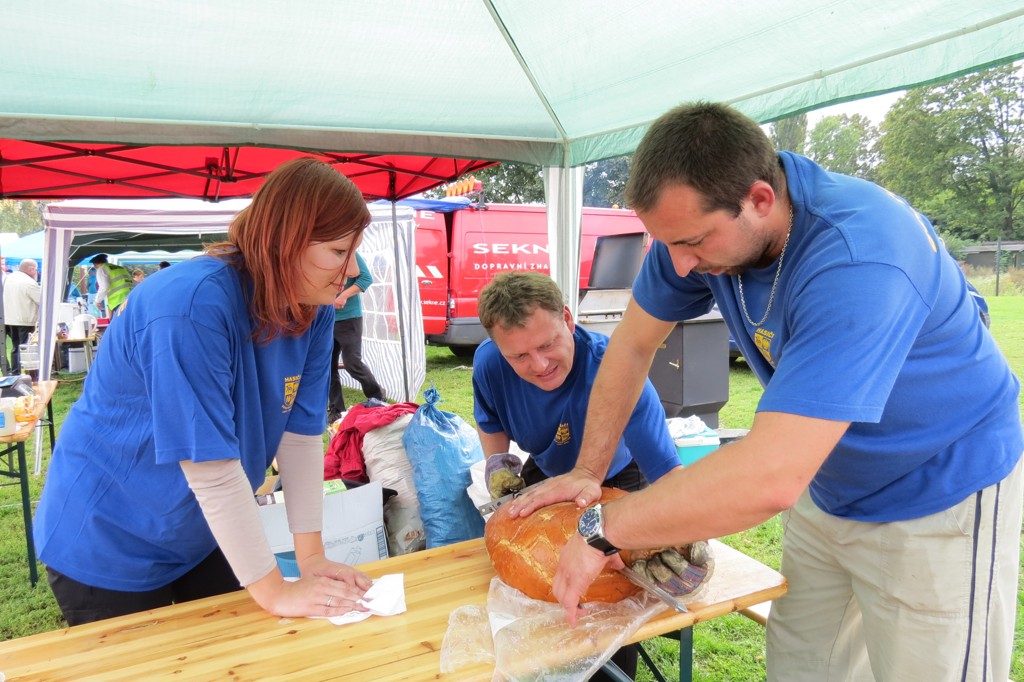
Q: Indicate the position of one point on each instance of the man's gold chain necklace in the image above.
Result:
(775, 284)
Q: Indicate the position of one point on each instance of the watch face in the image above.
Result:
(590, 523)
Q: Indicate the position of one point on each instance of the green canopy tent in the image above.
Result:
(557, 84)
(554, 84)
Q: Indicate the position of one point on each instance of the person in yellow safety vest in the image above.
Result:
(113, 284)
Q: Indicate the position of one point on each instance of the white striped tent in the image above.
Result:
(393, 322)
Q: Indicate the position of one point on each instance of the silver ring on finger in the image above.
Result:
(330, 600)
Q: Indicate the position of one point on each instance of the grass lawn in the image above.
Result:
(725, 649)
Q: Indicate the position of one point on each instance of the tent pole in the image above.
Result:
(398, 287)
(4, 366)
(563, 194)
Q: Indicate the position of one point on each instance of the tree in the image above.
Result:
(790, 133)
(22, 217)
(604, 182)
(914, 161)
(513, 183)
(956, 151)
(845, 144)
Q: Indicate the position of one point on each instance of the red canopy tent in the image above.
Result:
(66, 170)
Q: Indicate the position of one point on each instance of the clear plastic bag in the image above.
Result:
(467, 641)
(532, 640)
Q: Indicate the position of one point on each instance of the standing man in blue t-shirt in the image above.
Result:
(888, 435)
(531, 383)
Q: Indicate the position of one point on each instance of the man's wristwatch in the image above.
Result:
(591, 527)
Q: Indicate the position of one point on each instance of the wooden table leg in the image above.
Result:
(26, 507)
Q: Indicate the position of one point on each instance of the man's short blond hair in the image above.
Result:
(511, 297)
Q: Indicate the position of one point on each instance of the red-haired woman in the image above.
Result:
(208, 372)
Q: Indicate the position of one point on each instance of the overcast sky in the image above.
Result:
(874, 108)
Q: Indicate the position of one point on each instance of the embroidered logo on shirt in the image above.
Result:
(562, 435)
(763, 340)
(291, 390)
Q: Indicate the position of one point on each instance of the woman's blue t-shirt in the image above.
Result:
(176, 377)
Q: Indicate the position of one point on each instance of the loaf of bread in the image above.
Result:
(525, 551)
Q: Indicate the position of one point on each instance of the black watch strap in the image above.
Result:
(591, 527)
(600, 543)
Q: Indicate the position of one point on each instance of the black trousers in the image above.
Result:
(348, 344)
(18, 335)
(81, 603)
(631, 479)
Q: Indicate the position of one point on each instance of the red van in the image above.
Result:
(458, 253)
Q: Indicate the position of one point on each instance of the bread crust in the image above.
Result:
(525, 551)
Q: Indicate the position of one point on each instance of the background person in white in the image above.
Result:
(21, 307)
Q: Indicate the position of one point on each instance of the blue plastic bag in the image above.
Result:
(441, 448)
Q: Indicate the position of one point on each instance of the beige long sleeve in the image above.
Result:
(301, 462)
(227, 501)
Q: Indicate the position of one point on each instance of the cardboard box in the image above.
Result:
(692, 448)
(353, 526)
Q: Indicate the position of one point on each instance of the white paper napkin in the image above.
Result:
(386, 597)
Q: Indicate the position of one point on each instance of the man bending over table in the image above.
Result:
(531, 384)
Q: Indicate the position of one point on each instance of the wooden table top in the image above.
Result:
(230, 637)
(44, 392)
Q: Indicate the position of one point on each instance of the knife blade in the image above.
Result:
(492, 506)
(653, 588)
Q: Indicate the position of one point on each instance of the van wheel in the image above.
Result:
(463, 351)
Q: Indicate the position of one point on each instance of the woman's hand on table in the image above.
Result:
(320, 565)
(326, 589)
